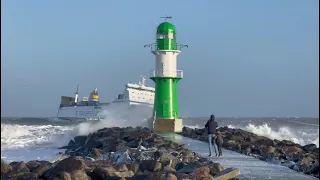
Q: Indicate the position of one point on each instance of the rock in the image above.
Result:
(226, 174)
(168, 159)
(155, 176)
(65, 176)
(190, 167)
(186, 131)
(101, 173)
(288, 164)
(96, 153)
(24, 176)
(187, 156)
(265, 141)
(202, 172)
(291, 150)
(134, 167)
(124, 174)
(20, 168)
(5, 168)
(235, 138)
(71, 143)
(229, 144)
(168, 169)
(79, 175)
(92, 143)
(171, 176)
(144, 155)
(41, 168)
(215, 168)
(80, 140)
(180, 165)
(38, 166)
(200, 131)
(309, 147)
(32, 165)
(316, 151)
(68, 165)
(269, 149)
(138, 135)
(269, 153)
(120, 157)
(122, 168)
(286, 143)
(237, 147)
(305, 163)
(150, 165)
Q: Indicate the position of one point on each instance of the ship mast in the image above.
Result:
(76, 96)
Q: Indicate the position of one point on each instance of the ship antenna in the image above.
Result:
(166, 18)
(143, 81)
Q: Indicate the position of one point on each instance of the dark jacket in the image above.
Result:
(211, 125)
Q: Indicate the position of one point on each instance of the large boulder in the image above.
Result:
(5, 168)
(309, 147)
(150, 165)
(103, 173)
(68, 165)
(202, 172)
(19, 167)
(79, 175)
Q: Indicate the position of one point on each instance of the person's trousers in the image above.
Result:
(212, 141)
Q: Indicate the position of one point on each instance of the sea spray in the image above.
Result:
(117, 115)
(307, 136)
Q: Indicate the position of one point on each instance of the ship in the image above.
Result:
(90, 108)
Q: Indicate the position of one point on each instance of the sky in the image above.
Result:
(245, 58)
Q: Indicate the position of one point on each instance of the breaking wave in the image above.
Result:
(300, 136)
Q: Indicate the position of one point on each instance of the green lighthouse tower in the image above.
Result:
(166, 76)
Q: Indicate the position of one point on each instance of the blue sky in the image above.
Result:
(245, 58)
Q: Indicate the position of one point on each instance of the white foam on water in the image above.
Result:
(30, 142)
(302, 137)
(117, 115)
(19, 136)
(27, 142)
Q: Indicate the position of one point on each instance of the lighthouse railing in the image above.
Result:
(154, 47)
(162, 73)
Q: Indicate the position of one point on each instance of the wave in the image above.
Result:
(302, 137)
(54, 135)
(15, 136)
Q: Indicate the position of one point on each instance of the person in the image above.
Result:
(211, 126)
(219, 142)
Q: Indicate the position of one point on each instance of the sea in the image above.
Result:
(38, 138)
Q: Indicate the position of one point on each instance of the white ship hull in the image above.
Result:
(78, 113)
(90, 113)
(91, 109)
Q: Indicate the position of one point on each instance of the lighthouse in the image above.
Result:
(166, 77)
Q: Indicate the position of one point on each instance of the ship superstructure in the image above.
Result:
(90, 107)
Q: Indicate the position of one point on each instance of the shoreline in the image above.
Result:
(286, 153)
(121, 153)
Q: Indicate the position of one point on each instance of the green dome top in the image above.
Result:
(165, 28)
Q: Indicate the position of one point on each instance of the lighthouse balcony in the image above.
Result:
(162, 73)
(166, 47)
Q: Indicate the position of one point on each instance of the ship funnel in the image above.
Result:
(94, 96)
